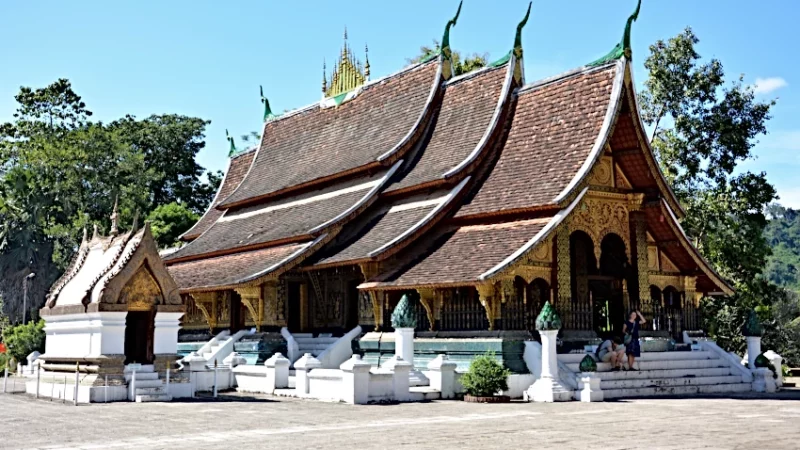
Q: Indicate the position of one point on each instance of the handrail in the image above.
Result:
(340, 351)
(292, 348)
(747, 375)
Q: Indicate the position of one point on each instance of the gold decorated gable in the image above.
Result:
(141, 292)
(348, 74)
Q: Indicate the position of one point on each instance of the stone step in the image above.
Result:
(569, 358)
(315, 342)
(153, 398)
(141, 376)
(676, 390)
(663, 365)
(666, 382)
(668, 373)
(151, 390)
(145, 368)
(422, 393)
(147, 383)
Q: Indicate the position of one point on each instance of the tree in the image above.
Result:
(702, 129)
(22, 340)
(61, 173)
(783, 236)
(169, 221)
(468, 64)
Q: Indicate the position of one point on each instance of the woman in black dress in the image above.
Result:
(631, 328)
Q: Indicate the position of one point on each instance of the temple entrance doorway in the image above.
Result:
(607, 288)
(139, 329)
(237, 313)
(351, 305)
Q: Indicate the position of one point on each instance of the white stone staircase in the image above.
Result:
(307, 343)
(331, 351)
(148, 386)
(667, 373)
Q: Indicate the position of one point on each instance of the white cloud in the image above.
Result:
(767, 85)
(789, 197)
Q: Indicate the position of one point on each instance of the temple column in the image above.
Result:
(254, 302)
(427, 297)
(563, 286)
(641, 295)
(488, 298)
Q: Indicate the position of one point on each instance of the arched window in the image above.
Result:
(657, 320)
(538, 293)
(673, 305)
(513, 309)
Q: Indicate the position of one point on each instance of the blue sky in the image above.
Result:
(207, 58)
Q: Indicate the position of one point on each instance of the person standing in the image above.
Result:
(631, 330)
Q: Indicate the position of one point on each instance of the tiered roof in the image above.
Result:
(454, 178)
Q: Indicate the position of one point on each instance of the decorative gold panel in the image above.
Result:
(530, 273)
(487, 293)
(603, 172)
(652, 257)
(141, 292)
(600, 216)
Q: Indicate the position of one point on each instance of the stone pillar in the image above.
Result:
(400, 379)
(355, 380)
(404, 322)
(589, 386)
(548, 387)
(763, 380)
(753, 331)
(302, 366)
(165, 335)
(777, 363)
(442, 374)
(277, 372)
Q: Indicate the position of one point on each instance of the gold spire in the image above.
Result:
(366, 63)
(346, 75)
(114, 219)
(324, 78)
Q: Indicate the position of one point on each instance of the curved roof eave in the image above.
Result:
(694, 253)
(539, 237)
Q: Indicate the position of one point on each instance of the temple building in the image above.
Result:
(481, 195)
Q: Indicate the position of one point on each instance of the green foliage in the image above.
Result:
(468, 64)
(60, 174)
(22, 340)
(783, 236)
(169, 221)
(702, 129)
(485, 377)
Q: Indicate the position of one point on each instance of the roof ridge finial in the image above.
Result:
(344, 45)
(229, 138)
(324, 78)
(115, 218)
(85, 235)
(366, 62)
(623, 48)
(135, 222)
(518, 36)
(95, 232)
(267, 110)
(445, 46)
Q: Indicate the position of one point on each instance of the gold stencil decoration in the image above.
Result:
(652, 257)
(599, 217)
(602, 173)
(141, 292)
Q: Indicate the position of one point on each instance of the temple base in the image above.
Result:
(547, 390)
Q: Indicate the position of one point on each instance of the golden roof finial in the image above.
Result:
(347, 75)
(366, 62)
(324, 78)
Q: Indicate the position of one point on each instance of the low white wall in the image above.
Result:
(204, 381)
(85, 334)
(325, 384)
(381, 385)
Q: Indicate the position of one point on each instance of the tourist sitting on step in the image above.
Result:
(631, 330)
(612, 351)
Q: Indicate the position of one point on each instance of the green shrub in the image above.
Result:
(22, 340)
(485, 377)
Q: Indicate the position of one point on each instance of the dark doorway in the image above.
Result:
(139, 327)
(295, 321)
(236, 312)
(608, 299)
(351, 306)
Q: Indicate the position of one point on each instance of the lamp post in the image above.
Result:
(25, 297)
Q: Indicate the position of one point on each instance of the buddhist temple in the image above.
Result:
(481, 196)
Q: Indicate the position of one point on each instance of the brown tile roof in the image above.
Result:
(281, 219)
(237, 169)
(383, 226)
(552, 132)
(465, 115)
(462, 255)
(230, 269)
(316, 143)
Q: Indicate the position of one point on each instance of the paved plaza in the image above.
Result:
(235, 422)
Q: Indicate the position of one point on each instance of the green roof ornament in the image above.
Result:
(229, 138)
(518, 36)
(267, 110)
(623, 48)
(446, 37)
(517, 50)
(548, 319)
(403, 314)
(588, 364)
(752, 326)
